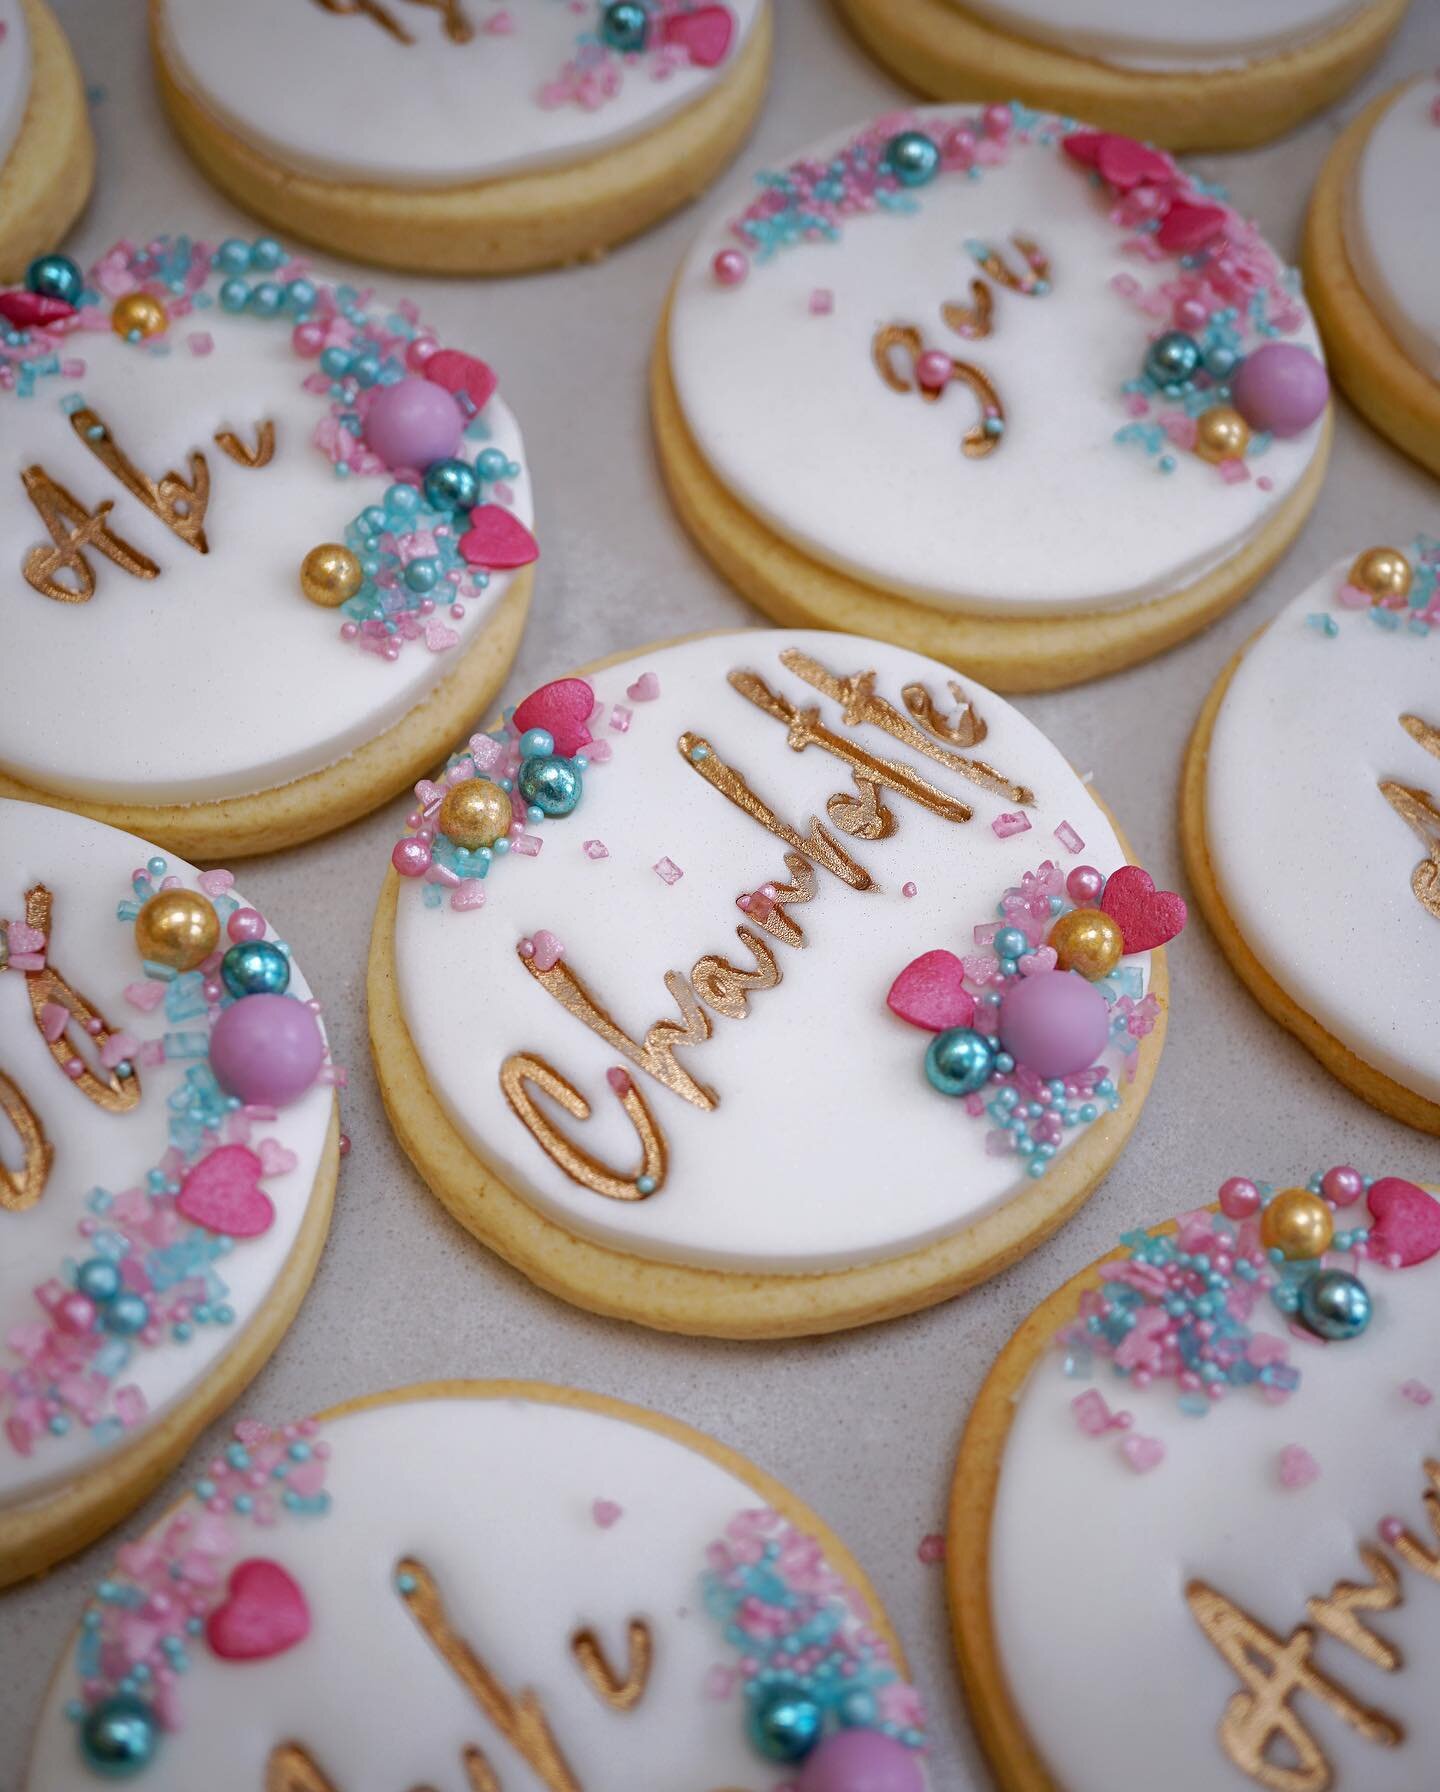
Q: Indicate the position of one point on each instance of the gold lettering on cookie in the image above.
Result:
(74, 529)
(620, 1694)
(930, 373)
(1030, 280)
(260, 455)
(49, 990)
(1261, 1731)
(1417, 808)
(179, 503)
(1337, 1613)
(21, 1189)
(965, 728)
(523, 1071)
(454, 21)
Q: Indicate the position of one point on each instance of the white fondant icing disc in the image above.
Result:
(781, 394)
(286, 75)
(827, 1146)
(14, 73)
(88, 869)
(1389, 222)
(1312, 862)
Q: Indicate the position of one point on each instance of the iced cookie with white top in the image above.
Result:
(483, 1584)
(1228, 75)
(265, 543)
(1016, 394)
(1315, 768)
(463, 136)
(47, 152)
(689, 976)
(1201, 1480)
(1372, 266)
(168, 1153)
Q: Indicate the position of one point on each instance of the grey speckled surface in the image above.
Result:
(863, 1426)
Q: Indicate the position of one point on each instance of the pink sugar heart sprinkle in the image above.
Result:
(645, 689)
(275, 1159)
(606, 1513)
(1297, 1467)
(215, 883)
(1142, 1453)
(930, 993)
(931, 1550)
(440, 637)
(1043, 958)
(117, 1048)
(547, 951)
(23, 938)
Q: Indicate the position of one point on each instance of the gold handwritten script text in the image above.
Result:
(1030, 280)
(619, 1694)
(22, 1188)
(179, 504)
(73, 529)
(1418, 809)
(981, 438)
(523, 1072)
(454, 21)
(47, 988)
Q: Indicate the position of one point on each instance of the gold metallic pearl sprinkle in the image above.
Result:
(1221, 434)
(1383, 572)
(1297, 1223)
(1088, 941)
(177, 927)
(138, 313)
(330, 575)
(476, 813)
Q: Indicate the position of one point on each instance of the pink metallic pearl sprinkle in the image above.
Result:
(730, 267)
(909, 890)
(1084, 885)
(246, 924)
(1239, 1198)
(1342, 1186)
(933, 370)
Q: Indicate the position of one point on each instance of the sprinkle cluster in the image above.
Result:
(803, 1637)
(657, 38)
(144, 1623)
(1413, 611)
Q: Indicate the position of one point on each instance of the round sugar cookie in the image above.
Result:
(1315, 768)
(505, 138)
(268, 545)
(972, 382)
(1372, 267)
(1169, 1497)
(168, 1152)
(483, 1584)
(753, 1023)
(1224, 76)
(47, 152)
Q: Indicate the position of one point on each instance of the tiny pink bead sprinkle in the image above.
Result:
(606, 1513)
(201, 342)
(730, 267)
(822, 302)
(1391, 1529)
(1298, 1468)
(909, 890)
(344, 1144)
(419, 352)
(931, 1550)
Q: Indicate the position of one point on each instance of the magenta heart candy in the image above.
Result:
(459, 372)
(1147, 916)
(1187, 226)
(1084, 147)
(562, 709)
(1126, 163)
(706, 33)
(498, 540)
(264, 1613)
(223, 1194)
(1407, 1221)
(22, 310)
(930, 992)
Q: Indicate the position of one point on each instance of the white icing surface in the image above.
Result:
(217, 678)
(14, 73)
(1390, 235)
(284, 74)
(1116, 1683)
(1312, 862)
(792, 416)
(494, 1498)
(88, 867)
(1140, 34)
(828, 1146)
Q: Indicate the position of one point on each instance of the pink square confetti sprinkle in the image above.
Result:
(1068, 838)
(201, 342)
(620, 718)
(527, 845)
(595, 849)
(1142, 1453)
(1417, 1392)
(668, 871)
(1004, 826)
(1298, 1468)
(822, 302)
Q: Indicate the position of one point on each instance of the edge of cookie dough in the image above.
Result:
(1378, 377)
(46, 178)
(772, 1491)
(1010, 654)
(717, 1303)
(514, 224)
(1014, 1759)
(239, 827)
(950, 54)
(40, 1532)
(1360, 1078)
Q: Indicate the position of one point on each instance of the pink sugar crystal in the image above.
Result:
(201, 342)
(595, 849)
(1142, 1453)
(822, 302)
(1068, 838)
(1297, 1467)
(130, 1406)
(486, 753)
(599, 752)
(145, 996)
(1417, 1392)
(620, 718)
(606, 1513)
(216, 883)
(1092, 1414)
(527, 845)
(468, 894)
(1004, 826)
(668, 871)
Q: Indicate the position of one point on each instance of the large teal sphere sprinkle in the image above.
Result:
(118, 1738)
(959, 1061)
(55, 277)
(1173, 360)
(785, 1722)
(913, 158)
(255, 968)
(1335, 1305)
(452, 485)
(625, 25)
(553, 786)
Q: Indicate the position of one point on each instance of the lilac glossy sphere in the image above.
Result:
(1054, 1023)
(861, 1761)
(267, 1050)
(413, 423)
(1281, 387)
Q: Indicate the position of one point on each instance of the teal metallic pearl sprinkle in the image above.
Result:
(959, 1061)
(913, 158)
(785, 1722)
(118, 1738)
(625, 25)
